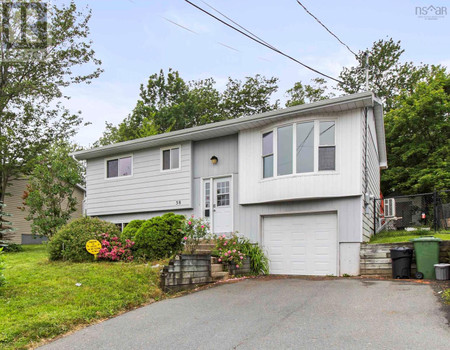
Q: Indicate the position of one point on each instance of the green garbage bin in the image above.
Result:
(427, 254)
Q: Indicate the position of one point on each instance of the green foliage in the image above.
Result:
(388, 76)
(43, 302)
(32, 116)
(129, 232)
(10, 247)
(301, 94)
(6, 228)
(194, 231)
(69, 243)
(406, 236)
(2, 267)
(168, 103)
(259, 262)
(417, 137)
(236, 248)
(159, 237)
(228, 250)
(446, 296)
(50, 196)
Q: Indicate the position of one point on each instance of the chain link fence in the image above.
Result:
(423, 210)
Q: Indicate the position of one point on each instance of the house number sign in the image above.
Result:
(93, 247)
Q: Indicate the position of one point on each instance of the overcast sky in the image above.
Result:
(134, 39)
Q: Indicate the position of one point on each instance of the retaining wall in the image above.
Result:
(375, 259)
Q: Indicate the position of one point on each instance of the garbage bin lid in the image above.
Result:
(426, 239)
(441, 265)
(400, 249)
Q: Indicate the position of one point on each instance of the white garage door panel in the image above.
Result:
(301, 244)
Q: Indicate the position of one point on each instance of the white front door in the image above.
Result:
(222, 209)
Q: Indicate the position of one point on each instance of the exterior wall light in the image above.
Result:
(214, 160)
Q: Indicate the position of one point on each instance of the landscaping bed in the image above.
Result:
(41, 299)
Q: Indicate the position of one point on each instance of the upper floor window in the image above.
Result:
(119, 167)
(171, 158)
(267, 154)
(305, 147)
(300, 148)
(327, 147)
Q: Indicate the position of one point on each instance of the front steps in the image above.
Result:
(217, 269)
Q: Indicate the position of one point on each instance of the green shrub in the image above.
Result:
(159, 237)
(129, 232)
(11, 247)
(69, 242)
(2, 267)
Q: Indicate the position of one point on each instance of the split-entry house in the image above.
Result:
(300, 181)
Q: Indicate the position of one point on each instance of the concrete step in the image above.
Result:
(220, 276)
(203, 251)
(216, 268)
(215, 260)
(206, 246)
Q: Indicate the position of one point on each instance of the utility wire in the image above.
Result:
(262, 43)
(329, 31)
(244, 29)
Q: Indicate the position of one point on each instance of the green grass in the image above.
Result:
(41, 299)
(405, 236)
(446, 296)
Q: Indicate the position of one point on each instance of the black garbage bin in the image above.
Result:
(401, 262)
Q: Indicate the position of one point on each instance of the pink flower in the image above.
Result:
(242, 257)
(219, 260)
(225, 243)
(185, 238)
(223, 236)
(234, 250)
(234, 242)
(203, 226)
(237, 266)
(189, 223)
(226, 254)
(229, 252)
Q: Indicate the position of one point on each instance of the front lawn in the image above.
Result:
(406, 236)
(41, 299)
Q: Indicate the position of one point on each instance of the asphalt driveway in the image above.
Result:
(279, 314)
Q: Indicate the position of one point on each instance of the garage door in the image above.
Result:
(301, 244)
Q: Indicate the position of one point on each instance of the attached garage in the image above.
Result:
(301, 244)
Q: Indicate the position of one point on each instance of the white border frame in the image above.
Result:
(316, 120)
(213, 197)
(161, 150)
(105, 162)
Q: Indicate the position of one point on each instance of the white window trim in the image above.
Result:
(118, 177)
(161, 150)
(294, 160)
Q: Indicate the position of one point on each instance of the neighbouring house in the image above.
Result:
(22, 227)
(300, 181)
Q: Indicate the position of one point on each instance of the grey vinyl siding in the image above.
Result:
(226, 150)
(349, 224)
(148, 189)
(126, 218)
(373, 175)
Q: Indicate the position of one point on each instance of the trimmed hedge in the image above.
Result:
(129, 232)
(159, 237)
(69, 243)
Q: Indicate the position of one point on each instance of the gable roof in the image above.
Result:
(233, 126)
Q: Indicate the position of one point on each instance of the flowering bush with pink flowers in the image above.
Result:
(115, 250)
(228, 250)
(194, 231)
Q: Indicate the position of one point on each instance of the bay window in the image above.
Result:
(304, 147)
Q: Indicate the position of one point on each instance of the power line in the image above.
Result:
(179, 25)
(228, 18)
(262, 43)
(328, 30)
